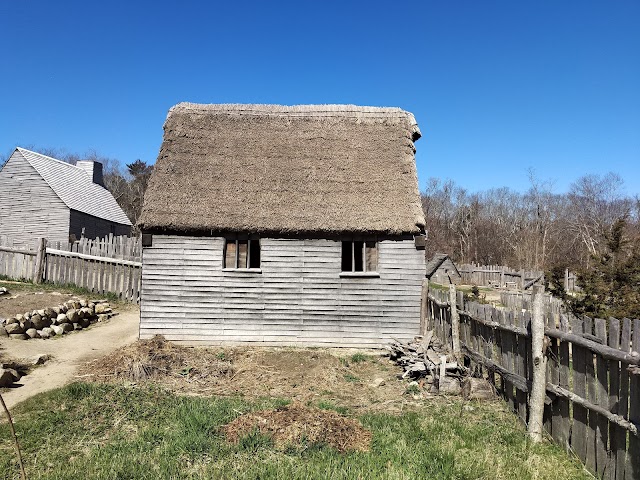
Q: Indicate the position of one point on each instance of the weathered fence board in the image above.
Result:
(108, 265)
(592, 378)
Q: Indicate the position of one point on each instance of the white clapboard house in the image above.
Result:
(44, 197)
(284, 226)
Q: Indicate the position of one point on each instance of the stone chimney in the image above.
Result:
(93, 169)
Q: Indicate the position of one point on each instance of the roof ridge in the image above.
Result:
(48, 158)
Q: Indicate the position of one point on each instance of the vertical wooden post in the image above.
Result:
(566, 279)
(539, 364)
(41, 256)
(455, 322)
(502, 277)
(424, 307)
(522, 280)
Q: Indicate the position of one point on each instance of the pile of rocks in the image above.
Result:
(75, 314)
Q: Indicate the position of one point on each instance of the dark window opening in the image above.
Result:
(359, 256)
(241, 253)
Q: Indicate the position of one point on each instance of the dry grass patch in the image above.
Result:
(299, 425)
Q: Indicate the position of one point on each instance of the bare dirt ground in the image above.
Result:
(22, 301)
(341, 377)
(67, 352)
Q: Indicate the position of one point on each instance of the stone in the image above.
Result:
(62, 318)
(86, 312)
(6, 377)
(46, 333)
(42, 313)
(72, 315)
(50, 313)
(103, 317)
(85, 322)
(14, 328)
(32, 333)
(83, 302)
(66, 327)
(26, 325)
(77, 326)
(39, 322)
(103, 308)
(57, 329)
(378, 382)
(63, 308)
(18, 336)
(56, 311)
(40, 359)
(18, 318)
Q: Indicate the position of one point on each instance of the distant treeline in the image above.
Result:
(538, 229)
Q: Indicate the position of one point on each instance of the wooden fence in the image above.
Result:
(592, 404)
(506, 277)
(524, 301)
(104, 265)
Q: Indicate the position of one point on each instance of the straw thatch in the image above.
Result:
(321, 169)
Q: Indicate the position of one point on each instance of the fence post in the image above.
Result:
(455, 321)
(424, 307)
(539, 363)
(41, 257)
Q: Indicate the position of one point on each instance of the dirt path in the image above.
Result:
(68, 353)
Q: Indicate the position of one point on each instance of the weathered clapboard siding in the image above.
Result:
(298, 298)
(30, 207)
(94, 227)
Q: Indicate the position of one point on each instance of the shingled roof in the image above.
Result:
(76, 188)
(323, 169)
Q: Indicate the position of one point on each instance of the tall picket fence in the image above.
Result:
(592, 379)
(106, 265)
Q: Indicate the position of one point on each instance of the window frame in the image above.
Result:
(365, 260)
(237, 240)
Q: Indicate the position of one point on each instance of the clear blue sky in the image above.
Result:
(496, 86)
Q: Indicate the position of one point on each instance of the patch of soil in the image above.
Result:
(160, 361)
(15, 303)
(304, 375)
(296, 424)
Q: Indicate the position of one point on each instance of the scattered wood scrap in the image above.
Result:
(426, 359)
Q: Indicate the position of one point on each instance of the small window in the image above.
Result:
(241, 253)
(359, 256)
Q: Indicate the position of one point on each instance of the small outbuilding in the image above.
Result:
(44, 197)
(442, 270)
(284, 226)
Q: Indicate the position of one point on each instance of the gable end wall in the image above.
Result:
(29, 207)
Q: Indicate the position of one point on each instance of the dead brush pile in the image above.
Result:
(158, 360)
(297, 425)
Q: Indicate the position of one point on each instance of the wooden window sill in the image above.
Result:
(243, 270)
(359, 275)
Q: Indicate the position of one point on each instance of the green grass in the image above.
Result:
(113, 432)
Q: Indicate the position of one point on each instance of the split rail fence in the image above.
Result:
(592, 403)
(107, 265)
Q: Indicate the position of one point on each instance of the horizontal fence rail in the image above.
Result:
(108, 265)
(592, 404)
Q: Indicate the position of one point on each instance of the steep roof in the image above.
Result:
(285, 169)
(436, 261)
(75, 187)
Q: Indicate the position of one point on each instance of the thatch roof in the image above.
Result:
(321, 169)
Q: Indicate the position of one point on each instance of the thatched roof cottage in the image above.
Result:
(284, 225)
